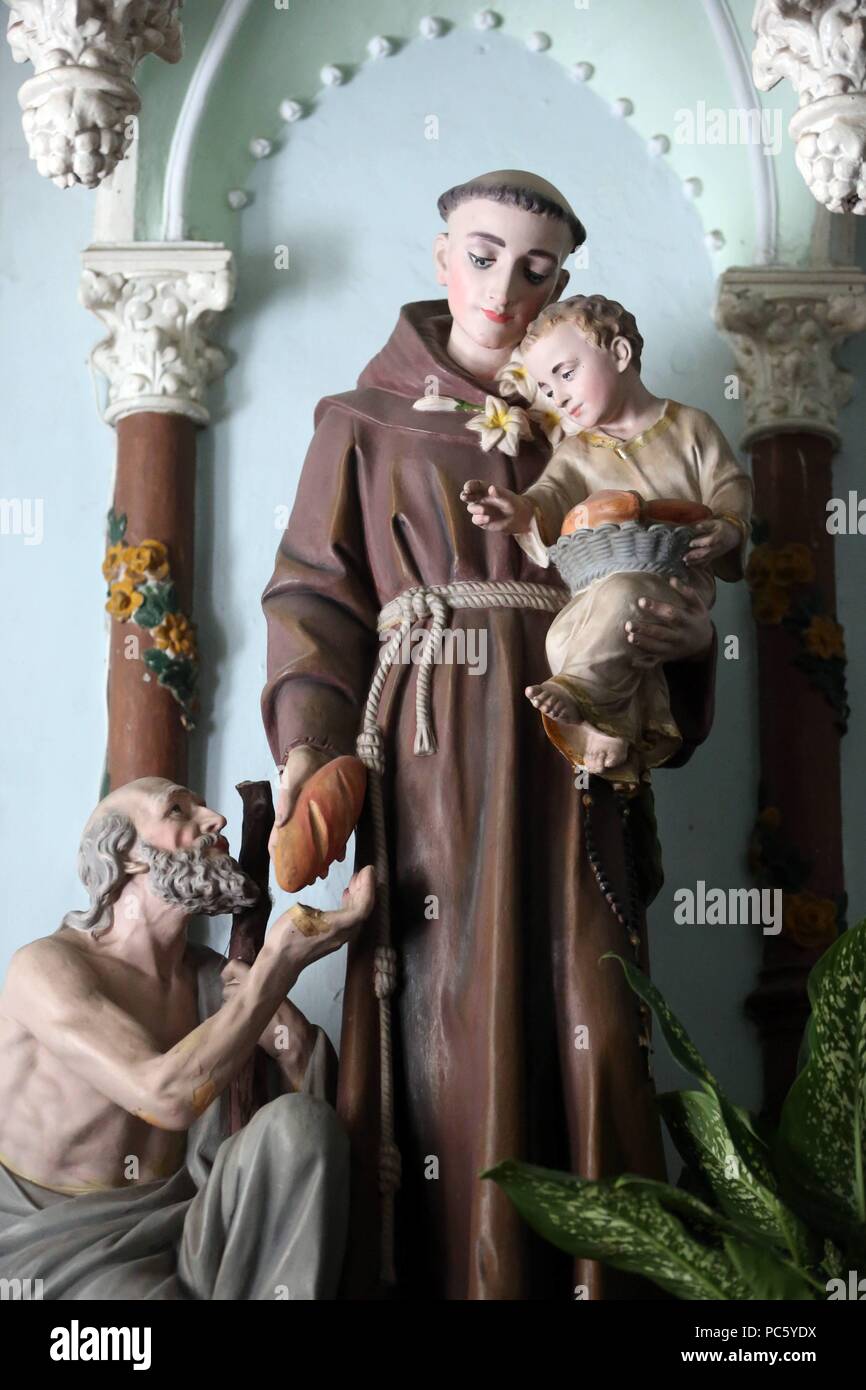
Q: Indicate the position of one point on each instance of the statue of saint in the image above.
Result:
(508, 1038)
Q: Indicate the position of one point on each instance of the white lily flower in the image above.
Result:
(501, 426)
(515, 380)
(437, 403)
(553, 421)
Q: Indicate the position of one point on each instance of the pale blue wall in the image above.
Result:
(353, 196)
(55, 448)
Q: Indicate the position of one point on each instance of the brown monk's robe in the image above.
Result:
(492, 989)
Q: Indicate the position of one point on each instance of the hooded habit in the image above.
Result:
(496, 915)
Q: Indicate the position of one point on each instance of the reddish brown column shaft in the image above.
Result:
(799, 742)
(155, 488)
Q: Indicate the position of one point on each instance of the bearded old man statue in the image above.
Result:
(117, 1038)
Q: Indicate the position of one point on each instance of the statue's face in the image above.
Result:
(501, 266)
(171, 817)
(585, 381)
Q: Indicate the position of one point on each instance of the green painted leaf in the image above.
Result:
(159, 598)
(703, 1140)
(765, 1274)
(822, 1133)
(632, 1223)
(116, 526)
(156, 660)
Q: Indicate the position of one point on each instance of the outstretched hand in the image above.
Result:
(678, 631)
(495, 508)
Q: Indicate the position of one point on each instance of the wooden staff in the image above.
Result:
(248, 1092)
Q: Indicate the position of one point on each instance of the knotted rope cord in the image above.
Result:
(412, 606)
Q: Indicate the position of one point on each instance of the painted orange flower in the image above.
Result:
(759, 569)
(770, 818)
(175, 634)
(810, 920)
(123, 600)
(824, 637)
(792, 564)
(150, 560)
(770, 604)
(112, 561)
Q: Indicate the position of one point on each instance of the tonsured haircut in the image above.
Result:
(515, 195)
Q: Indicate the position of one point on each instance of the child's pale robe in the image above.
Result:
(683, 456)
(495, 912)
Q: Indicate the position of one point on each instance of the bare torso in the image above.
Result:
(55, 1128)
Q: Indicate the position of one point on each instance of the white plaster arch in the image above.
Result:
(549, 39)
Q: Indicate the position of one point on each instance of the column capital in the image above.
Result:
(157, 299)
(820, 46)
(79, 107)
(783, 324)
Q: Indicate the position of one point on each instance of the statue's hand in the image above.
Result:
(668, 631)
(301, 763)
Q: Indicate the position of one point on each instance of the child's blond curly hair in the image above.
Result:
(600, 320)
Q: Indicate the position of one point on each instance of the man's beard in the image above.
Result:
(197, 880)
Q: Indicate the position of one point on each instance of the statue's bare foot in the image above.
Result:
(553, 701)
(602, 751)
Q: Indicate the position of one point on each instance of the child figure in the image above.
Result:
(607, 706)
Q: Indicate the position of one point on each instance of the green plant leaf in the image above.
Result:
(697, 1127)
(765, 1274)
(750, 1150)
(632, 1223)
(821, 1145)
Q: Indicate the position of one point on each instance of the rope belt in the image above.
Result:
(415, 606)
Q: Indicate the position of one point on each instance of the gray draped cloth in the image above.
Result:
(258, 1215)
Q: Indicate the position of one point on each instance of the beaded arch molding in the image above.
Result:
(431, 28)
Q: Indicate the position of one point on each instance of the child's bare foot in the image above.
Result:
(602, 751)
(552, 700)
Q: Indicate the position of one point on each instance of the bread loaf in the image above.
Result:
(317, 832)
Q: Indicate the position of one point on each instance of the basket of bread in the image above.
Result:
(616, 531)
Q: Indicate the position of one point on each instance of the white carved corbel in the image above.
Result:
(157, 300)
(79, 107)
(820, 46)
(783, 324)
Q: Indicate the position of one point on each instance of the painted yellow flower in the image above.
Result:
(759, 570)
(792, 564)
(123, 600)
(824, 638)
(149, 559)
(770, 604)
(175, 634)
(809, 920)
(112, 561)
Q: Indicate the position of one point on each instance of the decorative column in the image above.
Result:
(820, 46)
(157, 300)
(783, 325)
(79, 108)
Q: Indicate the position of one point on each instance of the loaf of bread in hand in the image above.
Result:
(317, 832)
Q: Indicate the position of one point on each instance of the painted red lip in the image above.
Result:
(222, 845)
(575, 412)
(497, 318)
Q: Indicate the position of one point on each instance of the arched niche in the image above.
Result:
(671, 70)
